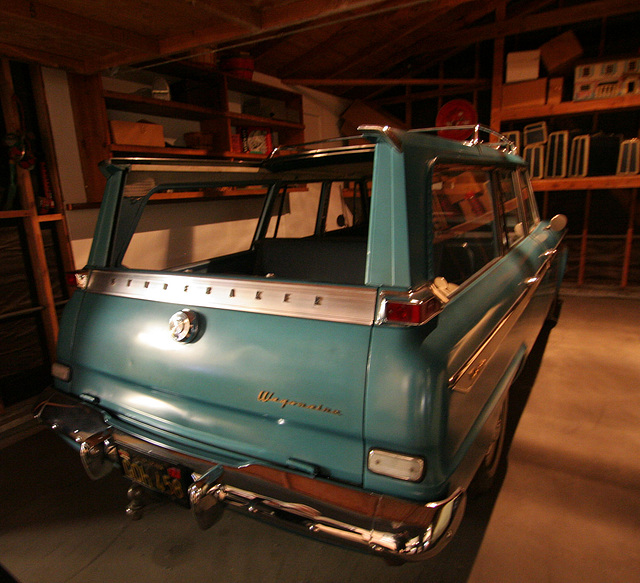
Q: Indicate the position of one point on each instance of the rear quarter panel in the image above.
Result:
(412, 403)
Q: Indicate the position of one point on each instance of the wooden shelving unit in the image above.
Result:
(570, 108)
(587, 185)
(33, 222)
(91, 104)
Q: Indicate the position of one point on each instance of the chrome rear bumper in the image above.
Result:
(336, 513)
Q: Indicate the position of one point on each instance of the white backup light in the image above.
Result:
(396, 465)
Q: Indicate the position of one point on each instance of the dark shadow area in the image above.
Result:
(455, 563)
(6, 577)
(521, 388)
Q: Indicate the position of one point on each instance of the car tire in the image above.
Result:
(485, 475)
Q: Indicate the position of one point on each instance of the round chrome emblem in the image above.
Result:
(183, 326)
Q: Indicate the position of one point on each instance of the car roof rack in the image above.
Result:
(503, 144)
(478, 135)
(340, 143)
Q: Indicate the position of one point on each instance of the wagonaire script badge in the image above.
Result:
(269, 397)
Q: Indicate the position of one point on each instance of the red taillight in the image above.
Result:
(71, 281)
(77, 280)
(412, 312)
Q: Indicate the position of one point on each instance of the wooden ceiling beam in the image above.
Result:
(232, 11)
(63, 22)
(438, 18)
(285, 14)
(42, 58)
(532, 22)
(200, 38)
(315, 15)
(451, 39)
(482, 84)
(374, 82)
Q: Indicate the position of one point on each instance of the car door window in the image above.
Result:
(529, 205)
(463, 219)
(514, 224)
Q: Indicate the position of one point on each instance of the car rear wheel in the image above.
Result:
(485, 476)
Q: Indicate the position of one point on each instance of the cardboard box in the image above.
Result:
(525, 93)
(554, 92)
(560, 52)
(523, 66)
(136, 133)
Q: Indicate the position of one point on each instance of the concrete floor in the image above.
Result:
(567, 506)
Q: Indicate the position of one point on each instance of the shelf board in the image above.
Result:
(245, 119)
(586, 183)
(14, 214)
(570, 108)
(52, 217)
(150, 106)
(209, 194)
(191, 196)
(158, 151)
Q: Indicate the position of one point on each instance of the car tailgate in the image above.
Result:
(266, 377)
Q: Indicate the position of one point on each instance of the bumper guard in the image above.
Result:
(331, 512)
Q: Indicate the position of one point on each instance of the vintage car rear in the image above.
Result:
(340, 364)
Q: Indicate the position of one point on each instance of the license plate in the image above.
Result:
(158, 475)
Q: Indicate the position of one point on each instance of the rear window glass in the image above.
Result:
(175, 233)
(227, 222)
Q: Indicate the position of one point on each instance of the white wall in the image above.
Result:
(321, 119)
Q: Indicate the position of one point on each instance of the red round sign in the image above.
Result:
(457, 112)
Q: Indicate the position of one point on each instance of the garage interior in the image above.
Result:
(76, 81)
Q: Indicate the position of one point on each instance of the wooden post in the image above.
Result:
(629, 239)
(51, 160)
(583, 243)
(498, 72)
(92, 129)
(40, 270)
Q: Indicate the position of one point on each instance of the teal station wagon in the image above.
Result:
(341, 364)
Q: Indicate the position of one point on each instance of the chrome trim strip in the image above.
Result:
(465, 378)
(351, 305)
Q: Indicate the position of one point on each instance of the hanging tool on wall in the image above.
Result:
(20, 155)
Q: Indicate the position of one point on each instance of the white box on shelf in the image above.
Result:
(523, 66)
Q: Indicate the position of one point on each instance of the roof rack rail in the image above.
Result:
(306, 147)
(503, 144)
(391, 136)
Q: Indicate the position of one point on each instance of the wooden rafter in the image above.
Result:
(532, 22)
(37, 13)
(378, 82)
(393, 51)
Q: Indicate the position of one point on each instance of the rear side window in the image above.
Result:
(465, 234)
(514, 226)
(315, 208)
(529, 205)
